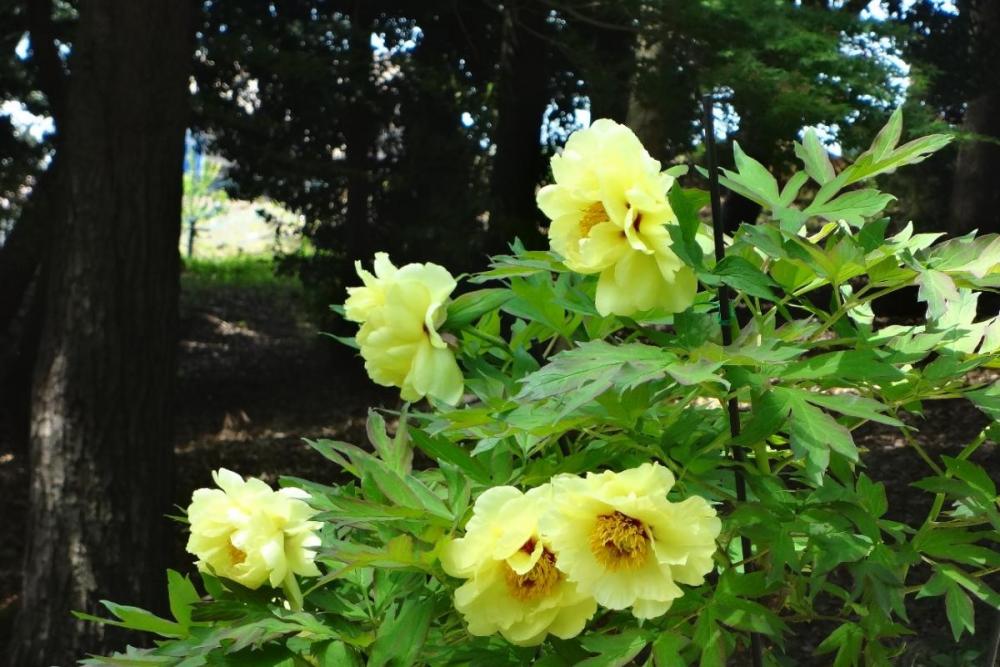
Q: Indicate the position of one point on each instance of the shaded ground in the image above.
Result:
(254, 378)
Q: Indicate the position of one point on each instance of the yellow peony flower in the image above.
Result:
(620, 540)
(610, 215)
(361, 301)
(400, 311)
(513, 585)
(250, 533)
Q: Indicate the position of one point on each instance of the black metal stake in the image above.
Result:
(725, 315)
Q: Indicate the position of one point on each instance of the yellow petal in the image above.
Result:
(435, 373)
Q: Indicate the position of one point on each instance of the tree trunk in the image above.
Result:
(610, 60)
(646, 119)
(360, 133)
(975, 200)
(101, 450)
(519, 164)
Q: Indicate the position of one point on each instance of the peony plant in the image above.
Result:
(582, 497)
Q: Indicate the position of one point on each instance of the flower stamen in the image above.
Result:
(537, 582)
(236, 555)
(619, 542)
(592, 215)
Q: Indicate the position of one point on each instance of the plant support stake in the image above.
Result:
(726, 320)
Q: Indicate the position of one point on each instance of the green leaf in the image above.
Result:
(686, 203)
(846, 640)
(859, 365)
(975, 256)
(851, 405)
(448, 452)
(815, 158)
(743, 276)
(968, 471)
(961, 615)
(792, 188)
(614, 650)
(667, 649)
(833, 549)
(578, 376)
(872, 235)
(938, 290)
(697, 372)
(872, 495)
(854, 207)
(977, 587)
(770, 411)
(182, 595)
(884, 156)
(813, 434)
(134, 618)
(470, 306)
(401, 635)
(396, 452)
(987, 400)
(755, 176)
(337, 654)
(349, 341)
(888, 137)
(748, 616)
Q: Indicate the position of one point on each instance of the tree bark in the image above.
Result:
(101, 451)
(644, 118)
(975, 200)
(360, 132)
(519, 164)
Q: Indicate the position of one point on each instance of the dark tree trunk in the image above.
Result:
(610, 62)
(737, 209)
(519, 164)
(360, 132)
(101, 450)
(975, 201)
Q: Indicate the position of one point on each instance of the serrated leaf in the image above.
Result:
(851, 405)
(858, 365)
(580, 375)
(854, 207)
(813, 434)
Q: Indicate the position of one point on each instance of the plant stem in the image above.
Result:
(729, 326)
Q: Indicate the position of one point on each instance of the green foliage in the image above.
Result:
(556, 388)
(234, 271)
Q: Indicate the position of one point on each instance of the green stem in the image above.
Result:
(938, 503)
